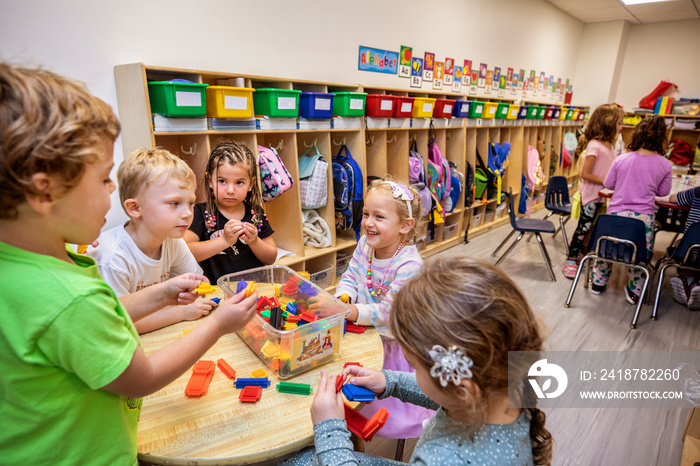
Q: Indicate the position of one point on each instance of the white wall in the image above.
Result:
(303, 39)
(660, 51)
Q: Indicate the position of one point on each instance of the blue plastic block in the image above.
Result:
(355, 393)
(263, 382)
(242, 285)
(308, 289)
(292, 308)
(216, 300)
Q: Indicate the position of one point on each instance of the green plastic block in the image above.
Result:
(295, 388)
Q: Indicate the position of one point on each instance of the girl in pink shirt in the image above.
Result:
(637, 177)
(600, 135)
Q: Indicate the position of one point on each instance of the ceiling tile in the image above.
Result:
(603, 14)
(570, 5)
(667, 16)
(661, 7)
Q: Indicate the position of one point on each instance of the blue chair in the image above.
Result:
(620, 240)
(685, 255)
(557, 202)
(526, 225)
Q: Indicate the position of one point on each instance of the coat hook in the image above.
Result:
(393, 139)
(313, 143)
(192, 150)
(279, 146)
(341, 143)
(369, 141)
(412, 138)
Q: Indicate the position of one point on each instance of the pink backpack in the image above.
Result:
(274, 177)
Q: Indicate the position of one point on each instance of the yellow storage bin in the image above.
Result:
(575, 115)
(229, 102)
(562, 115)
(489, 110)
(513, 112)
(423, 107)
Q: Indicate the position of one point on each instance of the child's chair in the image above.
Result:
(686, 255)
(621, 240)
(557, 202)
(526, 225)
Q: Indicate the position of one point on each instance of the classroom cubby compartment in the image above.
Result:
(378, 151)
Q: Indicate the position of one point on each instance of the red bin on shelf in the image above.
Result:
(443, 108)
(379, 105)
(403, 107)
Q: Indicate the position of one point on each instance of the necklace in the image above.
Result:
(379, 284)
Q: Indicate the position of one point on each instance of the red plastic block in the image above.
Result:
(226, 369)
(202, 373)
(356, 421)
(339, 381)
(352, 364)
(308, 316)
(350, 327)
(262, 303)
(250, 394)
(375, 423)
(293, 319)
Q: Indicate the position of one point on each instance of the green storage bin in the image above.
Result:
(349, 104)
(541, 110)
(570, 113)
(475, 109)
(502, 110)
(532, 112)
(177, 99)
(276, 103)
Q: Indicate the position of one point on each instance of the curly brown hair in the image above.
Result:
(475, 306)
(649, 134)
(48, 124)
(603, 123)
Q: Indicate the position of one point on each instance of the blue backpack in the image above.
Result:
(347, 192)
(456, 183)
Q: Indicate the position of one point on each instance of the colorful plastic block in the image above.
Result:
(226, 369)
(350, 327)
(308, 316)
(339, 381)
(294, 388)
(363, 427)
(216, 300)
(291, 307)
(241, 285)
(259, 373)
(276, 317)
(352, 364)
(205, 288)
(250, 394)
(261, 382)
(356, 393)
(250, 289)
(277, 290)
(202, 373)
(305, 274)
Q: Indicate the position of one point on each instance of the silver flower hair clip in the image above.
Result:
(400, 191)
(450, 365)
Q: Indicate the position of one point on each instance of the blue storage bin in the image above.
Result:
(316, 105)
(522, 114)
(461, 109)
(557, 113)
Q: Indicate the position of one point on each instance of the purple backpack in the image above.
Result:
(274, 177)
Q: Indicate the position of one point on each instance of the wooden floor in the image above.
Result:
(606, 436)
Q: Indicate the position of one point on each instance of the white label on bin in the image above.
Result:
(356, 104)
(188, 99)
(492, 110)
(448, 108)
(427, 107)
(286, 103)
(386, 105)
(232, 102)
(406, 107)
(322, 104)
(479, 108)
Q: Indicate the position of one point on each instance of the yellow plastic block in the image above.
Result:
(259, 373)
(205, 288)
(186, 331)
(270, 350)
(290, 326)
(82, 248)
(305, 274)
(250, 289)
(278, 293)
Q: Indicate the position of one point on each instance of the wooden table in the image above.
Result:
(217, 428)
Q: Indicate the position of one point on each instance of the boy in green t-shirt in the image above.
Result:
(71, 368)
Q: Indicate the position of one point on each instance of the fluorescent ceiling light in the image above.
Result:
(637, 2)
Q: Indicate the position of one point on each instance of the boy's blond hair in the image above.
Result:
(144, 166)
(48, 124)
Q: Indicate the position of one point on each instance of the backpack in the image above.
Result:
(418, 177)
(456, 183)
(274, 177)
(313, 180)
(469, 188)
(483, 179)
(438, 173)
(347, 192)
(680, 152)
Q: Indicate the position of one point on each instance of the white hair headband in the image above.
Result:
(400, 191)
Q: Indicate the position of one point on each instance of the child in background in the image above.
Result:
(637, 178)
(598, 141)
(686, 288)
(156, 190)
(71, 366)
(456, 322)
(230, 231)
(380, 265)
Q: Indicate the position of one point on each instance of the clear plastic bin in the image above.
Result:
(289, 352)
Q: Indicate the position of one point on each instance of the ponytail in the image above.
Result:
(539, 435)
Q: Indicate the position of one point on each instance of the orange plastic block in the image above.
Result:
(250, 289)
(250, 394)
(259, 373)
(202, 373)
(226, 369)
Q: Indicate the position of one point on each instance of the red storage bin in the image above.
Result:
(379, 105)
(443, 108)
(403, 107)
(549, 112)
